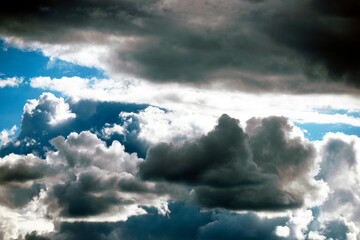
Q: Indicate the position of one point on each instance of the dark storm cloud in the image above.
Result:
(233, 169)
(220, 158)
(325, 33)
(296, 46)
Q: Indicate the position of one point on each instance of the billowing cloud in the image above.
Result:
(80, 175)
(339, 216)
(261, 168)
(244, 44)
(50, 117)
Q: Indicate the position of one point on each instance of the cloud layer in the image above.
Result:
(250, 45)
(74, 168)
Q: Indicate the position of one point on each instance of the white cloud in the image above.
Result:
(209, 102)
(6, 135)
(111, 129)
(282, 231)
(11, 82)
(56, 108)
(157, 125)
(86, 150)
(314, 235)
(64, 84)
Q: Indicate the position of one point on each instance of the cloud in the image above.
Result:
(11, 82)
(101, 180)
(241, 226)
(34, 236)
(50, 117)
(334, 30)
(339, 216)
(160, 125)
(50, 109)
(182, 104)
(245, 45)
(5, 135)
(19, 176)
(17, 168)
(183, 222)
(84, 180)
(236, 169)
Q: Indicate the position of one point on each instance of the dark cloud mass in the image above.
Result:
(233, 169)
(292, 46)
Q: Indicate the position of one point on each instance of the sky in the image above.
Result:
(169, 119)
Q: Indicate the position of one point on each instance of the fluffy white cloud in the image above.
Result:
(157, 125)
(55, 109)
(11, 82)
(111, 129)
(282, 231)
(6, 135)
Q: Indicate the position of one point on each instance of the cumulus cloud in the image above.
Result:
(49, 117)
(17, 168)
(261, 168)
(5, 135)
(51, 109)
(339, 217)
(82, 179)
(18, 181)
(87, 180)
(160, 125)
(246, 44)
(11, 82)
(101, 180)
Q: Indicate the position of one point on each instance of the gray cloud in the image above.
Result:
(21, 178)
(250, 45)
(19, 196)
(22, 169)
(233, 169)
(77, 198)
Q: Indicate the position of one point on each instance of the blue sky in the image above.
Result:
(169, 120)
(27, 64)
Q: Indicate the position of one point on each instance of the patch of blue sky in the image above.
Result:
(27, 64)
(350, 113)
(314, 131)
